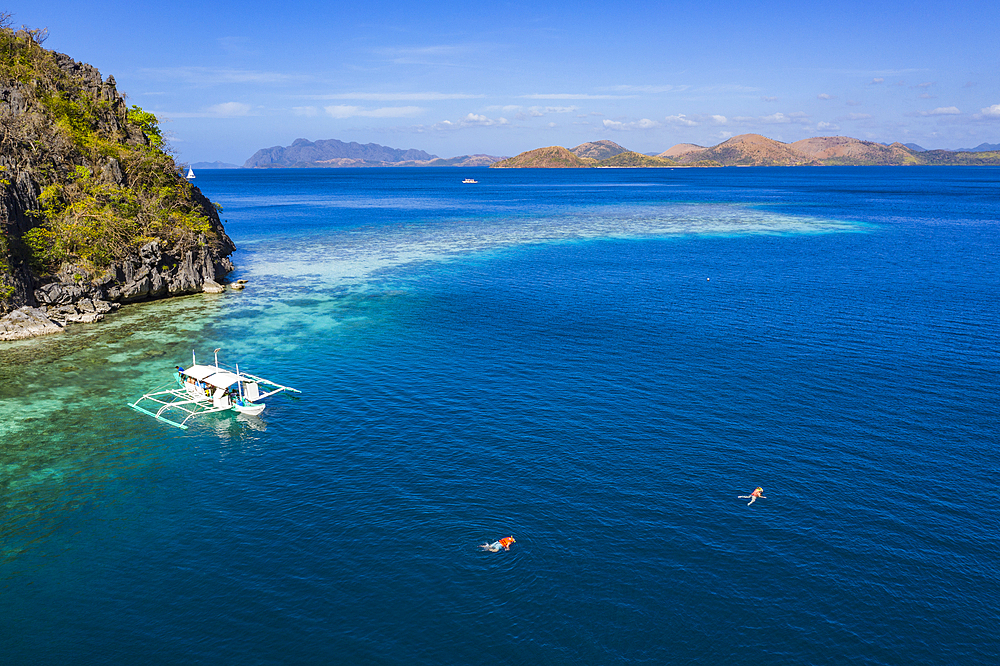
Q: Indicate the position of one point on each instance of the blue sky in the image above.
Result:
(455, 78)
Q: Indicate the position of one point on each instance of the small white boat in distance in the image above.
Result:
(205, 389)
(470, 180)
(190, 175)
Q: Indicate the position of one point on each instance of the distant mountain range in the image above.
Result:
(981, 148)
(753, 150)
(331, 153)
(743, 150)
(214, 165)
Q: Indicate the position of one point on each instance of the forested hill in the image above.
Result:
(92, 210)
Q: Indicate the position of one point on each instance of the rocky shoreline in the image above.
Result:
(150, 275)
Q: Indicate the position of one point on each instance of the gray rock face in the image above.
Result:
(149, 275)
(27, 322)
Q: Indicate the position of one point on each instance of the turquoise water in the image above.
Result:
(596, 362)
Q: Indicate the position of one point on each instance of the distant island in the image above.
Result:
(331, 153)
(752, 150)
(214, 165)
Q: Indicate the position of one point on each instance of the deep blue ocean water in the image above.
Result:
(597, 362)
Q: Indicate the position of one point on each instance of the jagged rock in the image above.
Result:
(212, 287)
(135, 291)
(58, 293)
(157, 285)
(112, 173)
(61, 313)
(26, 322)
(49, 294)
(105, 307)
(187, 280)
(84, 318)
(150, 252)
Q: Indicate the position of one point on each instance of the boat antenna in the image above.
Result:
(217, 357)
(239, 384)
(193, 362)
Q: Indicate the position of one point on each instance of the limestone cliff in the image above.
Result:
(93, 212)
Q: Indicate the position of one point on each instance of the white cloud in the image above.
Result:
(858, 116)
(397, 96)
(476, 120)
(877, 80)
(572, 96)
(824, 96)
(341, 111)
(206, 76)
(680, 119)
(229, 110)
(769, 99)
(941, 111)
(719, 120)
(646, 89)
(990, 112)
(449, 55)
(827, 127)
(772, 119)
(470, 120)
(224, 110)
(617, 126)
(776, 118)
(539, 111)
(305, 111)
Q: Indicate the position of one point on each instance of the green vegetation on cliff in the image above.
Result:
(83, 178)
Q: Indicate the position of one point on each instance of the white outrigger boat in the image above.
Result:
(205, 389)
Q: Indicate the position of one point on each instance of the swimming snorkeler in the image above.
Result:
(496, 545)
(758, 492)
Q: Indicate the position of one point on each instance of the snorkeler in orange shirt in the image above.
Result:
(759, 492)
(496, 545)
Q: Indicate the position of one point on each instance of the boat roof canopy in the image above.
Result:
(213, 376)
